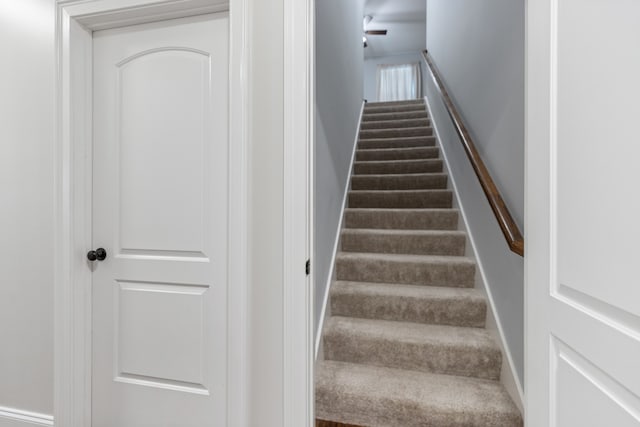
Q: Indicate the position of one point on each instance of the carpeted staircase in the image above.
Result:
(405, 344)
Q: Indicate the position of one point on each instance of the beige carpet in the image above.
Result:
(406, 344)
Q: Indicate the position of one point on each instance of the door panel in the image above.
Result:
(578, 381)
(160, 201)
(583, 311)
(176, 318)
(596, 114)
(163, 206)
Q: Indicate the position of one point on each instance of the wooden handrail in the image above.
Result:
(505, 220)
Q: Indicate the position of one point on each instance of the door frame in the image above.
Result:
(298, 220)
(75, 21)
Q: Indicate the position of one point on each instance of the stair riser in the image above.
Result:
(422, 141)
(394, 109)
(455, 274)
(394, 116)
(395, 124)
(397, 219)
(438, 358)
(403, 244)
(398, 167)
(452, 312)
(396, 133)
(399, 182)
(398, 154)
(427, 199)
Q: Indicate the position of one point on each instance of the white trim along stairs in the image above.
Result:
(406, 343)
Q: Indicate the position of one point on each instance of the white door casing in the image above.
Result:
(582, 294)
(160, 204)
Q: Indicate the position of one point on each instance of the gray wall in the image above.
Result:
(339, 76)
(478, 46)
(371, 67)
(26, 212)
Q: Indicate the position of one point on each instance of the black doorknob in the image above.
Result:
(99, 254)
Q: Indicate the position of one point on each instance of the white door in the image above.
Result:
(583, 214)
(160, 144)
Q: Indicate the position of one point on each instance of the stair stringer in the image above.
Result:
(508, 376)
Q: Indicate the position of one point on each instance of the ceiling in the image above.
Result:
(405, 21)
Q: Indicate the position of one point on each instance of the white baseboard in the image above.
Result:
(324, 313)
(509, 377)
(12, 417)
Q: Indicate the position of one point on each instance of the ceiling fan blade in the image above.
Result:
(376, 32)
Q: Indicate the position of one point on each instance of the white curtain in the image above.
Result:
(399, 81)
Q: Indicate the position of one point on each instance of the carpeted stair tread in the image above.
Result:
(409, 269)
(414, 181)
(409, 303)
(400, 198)
(401, 219)
(397, 153)
(396, 132)
(370, 117)
(385, 397)
(419, 242)
(395, 124)
(452, 350)
(409, 141)
(397, 166)
(377, 109)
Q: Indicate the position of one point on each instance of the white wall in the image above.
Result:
(339, 76)
(26, 212)
(478, 46)
(371, 67)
